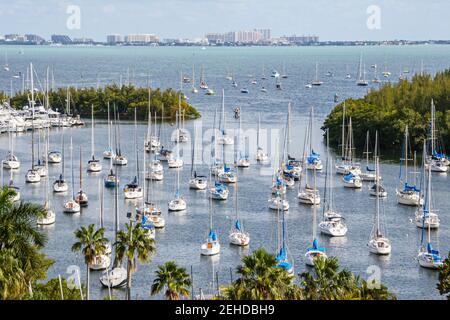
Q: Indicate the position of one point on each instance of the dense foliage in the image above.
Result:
(21, 261)
(444, 278)
(259, 279)
(173, 279)
(394, 106)
(125, 98)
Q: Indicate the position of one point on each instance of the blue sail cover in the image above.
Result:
(369, 169)
(145, 225)
(219, 187)
(237, 225)
(289, 167)
(212, 235)
(315, 247)
(438, 155)
(348, 177)
(408, 187)
(226, 169)
(281, 255)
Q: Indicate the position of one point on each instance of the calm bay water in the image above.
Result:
(183, 235)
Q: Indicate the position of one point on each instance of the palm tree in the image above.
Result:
(20, 242)
(91, 243)
(174, 279)
(133, 243)
(260, 279)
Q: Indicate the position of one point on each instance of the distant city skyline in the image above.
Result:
(330, 20)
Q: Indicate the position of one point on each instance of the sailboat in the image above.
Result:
(362, 74)
(352, 177)
(283, 262)
(117, 277)
(193, 89)
(94, 165)
(437, 161)
(224, 139)
(218, 191)
(40, 166)
(261, 156)
(60, 185)
(378, 242)
(409, 194)
(53, 156)
(6, 65)
(119, 159)
(133, 190)
(316, 81)
(314, 252)
(369, 174)
(33, 175)
(237, 235)
(11, 161)
(197, 182)
(375, 78)
(428, 257)
(50, 215)
(203, 84)
(313, 161)
(164, 153)
(176, 161)
(263, 76)
(347, 165)
(332, 224)
(150, 209)
(72, 206)
(426, 216)
(109, 153)
(242, 160)
(178, 203)
(276, 201)
(81, 198)
(377, 188)
(292, 167)
(152, 142)
(211, 246)
(101, 261)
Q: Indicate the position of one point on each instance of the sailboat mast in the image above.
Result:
(73, 177)
(92, 130)
(109, 129)
(81, 169)
(32, 116)
(314, 208)
(406, 154)
(343, 132)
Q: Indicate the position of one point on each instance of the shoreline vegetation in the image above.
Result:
(125, 98)
(391, 108)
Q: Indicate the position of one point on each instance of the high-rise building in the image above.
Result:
(141, 38)
(241, 36)
(265, 34)
(309, 39)
(113, 38)
(63, 39)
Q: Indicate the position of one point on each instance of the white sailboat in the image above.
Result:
(428, 257)
(313, 161)
(362, 74)
(50, 215)
(193, 89)
(109, 153)
(276, 201)
(117, 277)
(314, 252)
(196, 182)
(237, 235)
(378, 243)
(316, 81)
(178, 203)
(11, 161)
(292, 168)
(71, 206)
(369, 173)
(176, 161)
(426, 216)
(408, 194)
(81, 197)
(94, 165)
(101, 261)
(60, 185)
(150, 208)
(261, 156)
(119, 159)
(437, 161)
(133, 190)
(242, 159)
(6, 65)
(224, 139)
(377, 188)
(211, 246)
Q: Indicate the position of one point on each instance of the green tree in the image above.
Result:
(22, 263)
(444, 278)
(260, 279)
(92, 244)
(172, 278)
(133, 243)
(51, 290)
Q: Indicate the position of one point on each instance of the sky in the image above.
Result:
(329, 19)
